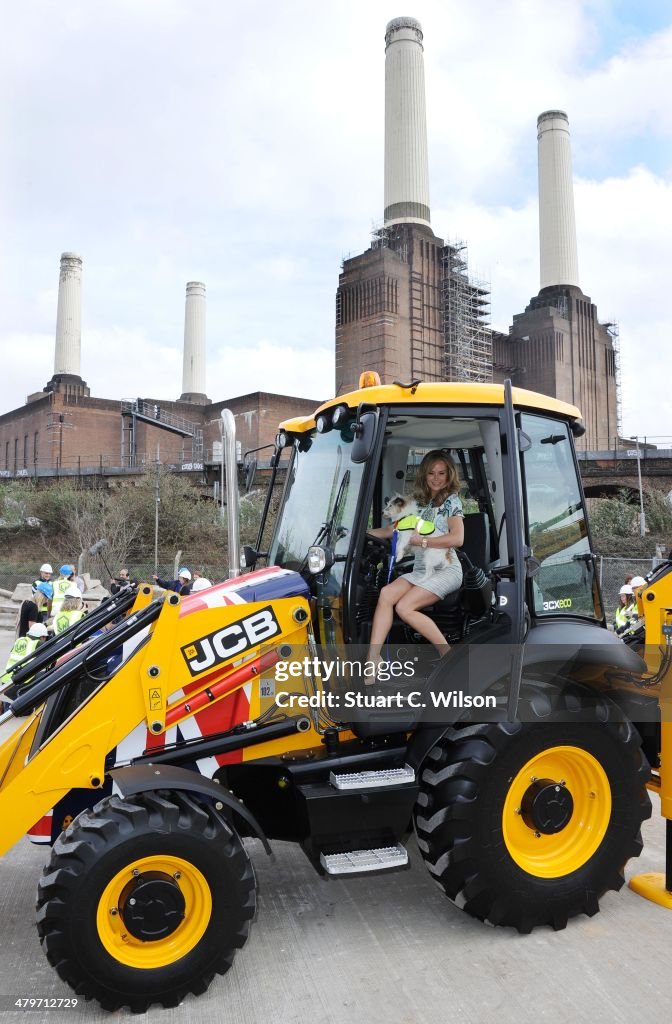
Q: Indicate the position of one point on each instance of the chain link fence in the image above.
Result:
(612, 572)
(142, 569)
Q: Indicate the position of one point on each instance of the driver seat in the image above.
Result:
(473, 602)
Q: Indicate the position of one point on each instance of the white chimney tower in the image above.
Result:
(406, 169)
(557, 227)
(193, 366)
(67, 359)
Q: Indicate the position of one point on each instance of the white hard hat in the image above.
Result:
(637, 581)
(200, 584)
(73, 591)
(625, 589)
(46, 568)
(184, 574)
(38, 629)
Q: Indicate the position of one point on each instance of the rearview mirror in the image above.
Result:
(250, 470)
(365, 433)
(250, 557)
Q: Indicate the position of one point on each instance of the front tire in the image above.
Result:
(145, 900)
(530, 824)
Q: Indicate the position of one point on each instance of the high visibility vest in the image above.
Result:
(23, 646)
(621, 617)
(60, 587)
(64, 620)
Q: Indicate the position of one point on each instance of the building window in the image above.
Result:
(25, 451)
(6, 454)
(36, 439)
(16, 454)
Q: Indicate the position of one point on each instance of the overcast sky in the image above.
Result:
(242, 145)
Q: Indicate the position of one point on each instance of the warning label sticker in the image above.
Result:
(155, 699)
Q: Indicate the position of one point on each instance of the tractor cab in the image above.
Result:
(526, 555)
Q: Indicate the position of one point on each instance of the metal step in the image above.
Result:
(371, 780)
(360, 861)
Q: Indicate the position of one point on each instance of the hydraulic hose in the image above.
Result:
(51, 680)
(50, 651)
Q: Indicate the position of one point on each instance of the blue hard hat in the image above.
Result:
(45, 588)
(67, 570)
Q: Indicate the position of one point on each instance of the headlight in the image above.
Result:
(317, 559)
(340, 415)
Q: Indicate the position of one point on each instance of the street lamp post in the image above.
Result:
(642, 516)
(157, 502)
(221, 473)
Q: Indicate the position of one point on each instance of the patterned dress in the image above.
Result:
(439, 579)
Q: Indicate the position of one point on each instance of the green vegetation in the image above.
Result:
(614, 523)
(57, 522)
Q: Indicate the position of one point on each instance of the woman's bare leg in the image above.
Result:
(384, 614)
(408, 609)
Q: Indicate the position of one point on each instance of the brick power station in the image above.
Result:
(405, 307)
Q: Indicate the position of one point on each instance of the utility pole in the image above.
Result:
(642, 516)
(221, 475)
(157, 502)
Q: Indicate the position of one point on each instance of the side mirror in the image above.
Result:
(250, 556)
(365, 433)
(250, 470)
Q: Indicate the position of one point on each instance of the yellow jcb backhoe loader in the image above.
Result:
(162, 741)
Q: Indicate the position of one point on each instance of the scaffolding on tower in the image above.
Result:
(615, 335)
(466, 313)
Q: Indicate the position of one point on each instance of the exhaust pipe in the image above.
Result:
(232, 502)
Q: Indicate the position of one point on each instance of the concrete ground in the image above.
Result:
(390, 949)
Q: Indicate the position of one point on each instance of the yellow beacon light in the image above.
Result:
(369, 379)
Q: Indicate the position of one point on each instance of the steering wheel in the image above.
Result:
(377, 549)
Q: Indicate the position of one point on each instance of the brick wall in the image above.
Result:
(60, 430)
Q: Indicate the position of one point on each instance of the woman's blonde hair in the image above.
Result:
(71, 604)
(39, 599)
(421, 491)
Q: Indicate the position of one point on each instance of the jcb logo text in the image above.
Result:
(230, 640)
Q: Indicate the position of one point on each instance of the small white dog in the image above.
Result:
(399, 508)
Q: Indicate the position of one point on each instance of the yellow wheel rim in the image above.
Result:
(135, 952)
(552, 856)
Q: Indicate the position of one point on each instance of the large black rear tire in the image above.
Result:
(530, 824)
(145, 900)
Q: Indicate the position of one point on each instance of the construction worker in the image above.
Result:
(72, 609)
(637, 582)
(200, 583)
(64, 581)
(635, 623)
(43, 582)
(626, 608)
(23, 646)
(182, 585)
(46, 572)
(36, 609)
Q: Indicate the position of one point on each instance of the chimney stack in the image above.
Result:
(67, 358)
(193, 366)
(68, 348)
(557, 228)
(406, 169)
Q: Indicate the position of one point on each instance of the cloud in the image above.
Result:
(243, 146)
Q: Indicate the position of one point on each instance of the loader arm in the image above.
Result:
(148, 687)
